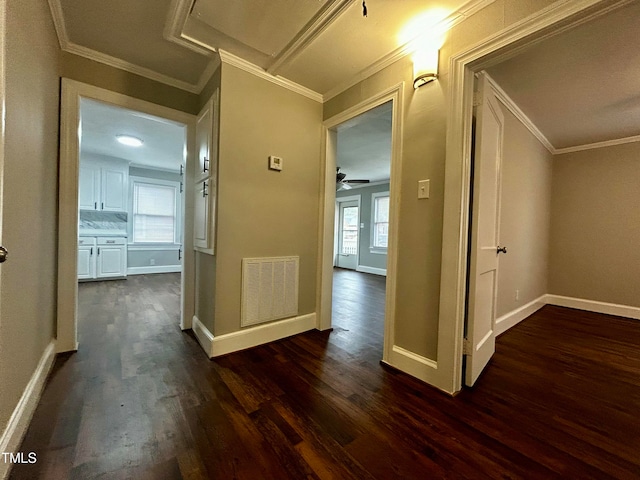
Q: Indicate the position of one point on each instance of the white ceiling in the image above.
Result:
(364, 145)
(319, 44)
(578, 87)
(164, 141)
(582, 86)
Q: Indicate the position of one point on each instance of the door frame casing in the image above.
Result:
(328, 202)
(336, 237)
(505, 44)
(67, 297)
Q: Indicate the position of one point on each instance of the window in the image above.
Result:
(155, 207)
(380, 222)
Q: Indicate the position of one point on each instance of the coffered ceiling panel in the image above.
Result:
(264, 25)
(133, 32)
(354, 42)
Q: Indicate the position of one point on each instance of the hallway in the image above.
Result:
(141, 400)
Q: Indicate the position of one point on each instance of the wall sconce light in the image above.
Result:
(425, 67)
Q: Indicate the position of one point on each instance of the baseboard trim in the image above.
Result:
(505, 322)
(23, 413)
(202, 333)
(268, 332)
(216, 346)
(594, 306)
(154, 269)
(373, 270)
(415, 365)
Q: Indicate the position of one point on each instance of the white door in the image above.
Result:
(348, 230)
(483, 268)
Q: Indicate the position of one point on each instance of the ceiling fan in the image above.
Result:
(344, 184)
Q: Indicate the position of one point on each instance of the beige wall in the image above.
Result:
(595, 225)
(423, 143)
(524, 218)
(206, 264)
(110, 78)
(29, 216)
(264, 213)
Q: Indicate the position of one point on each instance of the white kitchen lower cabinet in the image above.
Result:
(102, 258)
(86, 258)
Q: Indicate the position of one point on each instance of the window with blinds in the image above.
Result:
(380, 220)
(154, 213)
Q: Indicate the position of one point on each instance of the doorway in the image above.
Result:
(459, 147)
(131, 206)
(349, 191)
(73, 95)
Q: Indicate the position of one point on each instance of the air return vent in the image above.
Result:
(269, 289)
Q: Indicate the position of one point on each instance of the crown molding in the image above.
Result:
(591, 146)
(58, 23)
(508, 102)
(312, 30)
(174, 27)
(67, 45)
(249, 67)
(129, 67)
(444, 25)
(208, 72)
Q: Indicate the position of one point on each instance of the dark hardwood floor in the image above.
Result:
(140, 400)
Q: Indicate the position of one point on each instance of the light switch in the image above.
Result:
(423, 189)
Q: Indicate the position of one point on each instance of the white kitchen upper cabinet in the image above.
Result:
(207, 138)
(114, 189)
(103, 185)
(89, 187)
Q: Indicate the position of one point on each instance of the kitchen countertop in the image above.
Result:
(102, 233)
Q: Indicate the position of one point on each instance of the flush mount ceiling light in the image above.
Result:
(129, 140)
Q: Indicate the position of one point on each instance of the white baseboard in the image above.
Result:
(415, 365)
(505, 322)
(202, 333)
(154, 269)
(216, 346)
(23, 413)
(594, 306)
(373, 270)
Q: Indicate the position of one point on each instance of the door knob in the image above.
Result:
(3, 254)
(501, 250)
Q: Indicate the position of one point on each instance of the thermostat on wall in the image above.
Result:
(275, 163)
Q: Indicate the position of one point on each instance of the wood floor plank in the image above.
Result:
(140, 399)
